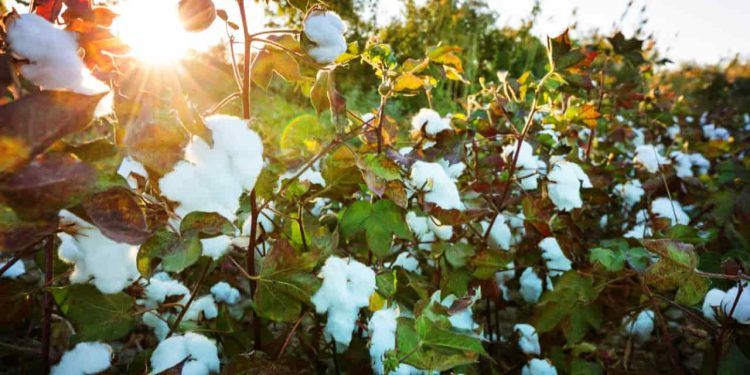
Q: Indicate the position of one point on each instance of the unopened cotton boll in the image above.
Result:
(565, 182)
(630, 192)
(528, 339)
(109, 265)
(85, 358)
(538, 367)
(54, 63)
(556, 261)
(712, 301)
(326, 30)
(16, 270)
(347, 286)
(527, 164)
(437, 185)
(195, 347)
(641, 327)
(223, 292)
(500, 234)
(212, 178)
(741, 311)
(431, 121)
(670, 209)
(650, 158)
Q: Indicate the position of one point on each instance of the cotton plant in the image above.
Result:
(198, 354)
(326, 30)
(439, 188)
(347, 286)
(565, 182)
(84, 358)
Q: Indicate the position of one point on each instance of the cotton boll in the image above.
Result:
(438, 186)
(464, 319)
(670, 209)
(265, 220)
(684, 163)
(382, 329)
(528, 339)
(673, 132)
(168, 354)
(175, 349)
(223, 292)
(157, 323)
(17, 269)
(406, 261)
(128, 166)
(502, 277)
(326, 30)
(203, 306)
(631, 192)
(159, 287)
(53, 57)
(741, 312)
(500, 235)
(565, 182)
(85, 358)
(443, 232)
(454, 171)
(557, 262)
(712, 132)
(216, 247)
(431, 121)
(527, 164)
(318, 205)
(650, 158)
(639, 137)
(700, 162)
(531, 286)
(111, 265)
(538, 367)
(309, 175)
(641, 327)
(711, 301)
(347, 286)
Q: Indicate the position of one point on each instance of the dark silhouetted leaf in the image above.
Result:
(117, 212)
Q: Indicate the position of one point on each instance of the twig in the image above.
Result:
(289, 336)
(222, 103)
(193, 293)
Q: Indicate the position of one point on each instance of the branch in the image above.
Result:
(193, 293)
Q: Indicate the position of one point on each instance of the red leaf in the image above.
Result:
(48, 9)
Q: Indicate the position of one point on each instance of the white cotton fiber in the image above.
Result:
(427, 229)
(712, 132)
(347, 286)
(565, 182)
(557, 262)
(128, 166)
(641, 327)
(464, 319)
(211, 179)
(223, 292)
(216, 247)
(531, 286)
(684, 164)
(326, 30)
(670, 209)
(502, 277)
(528, 339)
(500, 235)
(109, 265)
(741, 312)
(53, 57)
(438, 186)
(85, 358)
(649, 157)
(538, 367)
(194, 347)
(527, 165)
(204, 306)
(382, 329)
(454, 171)
(711, 301)
(17, 269)
(630, 192)
(431, 120)
(407, 261)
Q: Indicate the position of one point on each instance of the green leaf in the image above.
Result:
(692, 290)
(386, 221)
(386, 283)
(209, 224)
(488, 262)
(412, 351)
(433, 335)
(382, 167)
(96, 316)
(173, 252)
(458, 253)
(612, 260)
(354, 217)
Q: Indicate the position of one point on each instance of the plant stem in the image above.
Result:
(47, 302)
(246, 66)
(381, 110)
(289, 336)
(193, 293)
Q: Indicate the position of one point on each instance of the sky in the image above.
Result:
(703, 31)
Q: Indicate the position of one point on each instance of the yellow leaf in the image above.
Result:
(453, 74)
(376, 302)
(13, 152)
(408, 82)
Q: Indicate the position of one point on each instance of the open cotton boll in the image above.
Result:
(684, 163)
(711, 301)
(265, 220)
(502, 277)
(211, 179)
(531, 286)
(406, 261)
(500, 235)
(85, 358)
(326, 30)
(650, 158)
(194, 347)
(427, 228)
(670, 209)
(216, 247)
(347, 286)
(565, 182)
(128, 166)
(673, 132)
(157, 323)
(53, 57)
(631, 192)
(431, 121)
(527, 165)
(712, 132)
(223, 292)
(109, 265)
(309, 175)
(640, 229)
(382, 329)
(741, 312)
(438, 186)
(159, 287)
(538, 367)
(202, 306)
(641, 327)
(17, 269)
(557, 262)
(454, 171)
(639, 138)
(528, 339)
(464, 319)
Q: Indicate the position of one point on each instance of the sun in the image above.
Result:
(153, 31)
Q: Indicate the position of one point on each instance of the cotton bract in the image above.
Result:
(53, 57)
(200, 352)
(528, 339)
(438, 186)
(326, 30)
(641, 327)
(109, 265)
(212, 178)
(347, 286)
(85, 358)
(566, 180)
(538, 367)
(431, 122)
(650, 158)
(557, 262)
